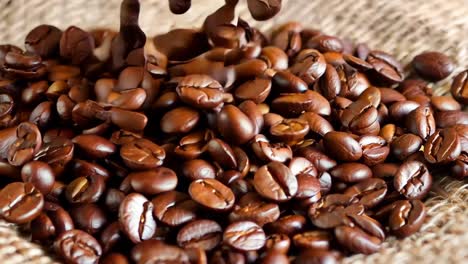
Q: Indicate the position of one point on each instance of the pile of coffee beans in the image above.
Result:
(220, 145)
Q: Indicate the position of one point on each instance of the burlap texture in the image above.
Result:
(401, 27)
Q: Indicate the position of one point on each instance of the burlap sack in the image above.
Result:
(401, 27)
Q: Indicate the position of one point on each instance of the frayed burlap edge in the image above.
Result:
(403, 28)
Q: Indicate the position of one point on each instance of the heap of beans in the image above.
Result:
(220, 145)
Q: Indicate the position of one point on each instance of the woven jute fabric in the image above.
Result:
(401, 27)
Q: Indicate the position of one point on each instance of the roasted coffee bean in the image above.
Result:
(114, 258)
(57, 153)
(407, 217)
(297, 103)
(317, 256)
(275, 257)
(288, 82)
(27, 143)
(136, 218)
(255, 210)
(319, 240)
(325, 43)
(76, 246)
(460, 167)
(43, 40)
(278, 243)
(204, 234)
(406, 145)
(300, 165)
(309, 65)
(142, 154)
(267, 151)
(369, 192)
(40, 174)
(179, 120)
(113, 198)
(76, 45)
(6, 104)
(52, 222)
(400, 110)
(174, 208)
(212, 194)
(221, 153)
(413, 180)
(154, 251)
(459, 88)
(179, 6)
(330, 212)
(432, 65)
(201, 91)
(151, 182)
(85, 189)
(290, 131)
(342, 146)
(451, 118)
(263, 10)
(317, 124)
(374, 150)
(353, 83)
(234, 125)
(198, 169)
(193, 145)
(421, 122)
(288, 38)
(20, 202)
(445, 103)
(244, 236)
(351, 172)
(275, 181)
(308, 187)
(364, 237)
(254, 113)
(95, 147)
(89, 218)
(320, 160)
(386, 68)
(275, 58)
(329, 84)
(443, 146)
(256, 90)
(361, 117)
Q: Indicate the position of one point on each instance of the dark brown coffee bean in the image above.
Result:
(267, 151)
(413, 180)
(445, 103)
(443, 146)
(142, 154)
(85, 189)
(20, 202)
(295, 104)
(290, 131)
(256, 90)
(287, 82)
(353, 83)
(255, 210)
(319, 240)
(76, 246)
(212, 194)
(244, 236)
(374, 150)
(275, 58)
(351, 172)
(113, 198)
(312, 256)
(459, 88)
(329, 84)
(234, 125)
(179, 120)
(320, 160)
(365, 237)
(6, 104)
(27, 143)
(263, 10)
(361, 117)
(89, 218)
(154, 251)
(308, 187)
(342, 146)
(460, 167)
(114, 258)
(407, 217)
(84, 168)
(317, 124)
(43, 40)
(451, 118)
(40, 175)
(309, 65)
(152, 182)
(275, 181)
(52, 222)
(287, 37)
(357, 63)
(421, 122)
(288, 225)
(300, 165)
(386, 68)
(174, 208)
(325, 43)
(198, 169)
(400, 110)
(179, 6)
(432, 65)
(389, 96)
(275, 257)
(278, 242)
(331, 210)
(93, 146)
(76, 45)
(201, 91)
(136, 218)
(369, 192)
(204, 234)
(406, 145)
(193, 145)
(221, 153)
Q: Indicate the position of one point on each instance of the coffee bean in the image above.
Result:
(43, 40)
(212, 194)
(152, 182)
(158, 251)
(400, 110)
(361, 117)
(459, 88)
(221, 153)
(342, 146)
(317, 256)
(142, 154)
(369, 192)
(275, 257)
(198, 169)
(52, 222)
(295, 104)
(94, 146)
(174, 208)
(319, 240)
(329, 84)
(256, 90)
(267, 151)
(451, 118)
(244, 236)
(320, 160)
(6, 104)
(76, 246)
(406, 145)
(20, 202)
(275, 181)
(278, 243)
(255, 210)
(413, 180)
(39, 174)
(201, 91)
(76, 45)
(263, 10)
(445, 103)
(204, 234)
(89, 218)
(330, 212)
(234, 125)
(386, 68)
(287, 37)
(443, 146)
(290, 131)
(85, 189)
(374, 150)
(114, 258)
(275, 58)
(289, 225)
(460, 167)
(179, 6)
(433, 65)
(421, 122)
(361, 238)
(407, 217)
(136, 218)
(325, 43)
(27, 144)
(288, 82)
(309, 65)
